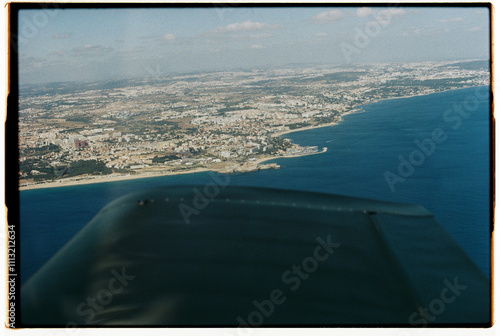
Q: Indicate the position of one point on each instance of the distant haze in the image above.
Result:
(96, 44)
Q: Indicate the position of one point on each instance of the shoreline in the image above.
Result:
(291, 156)
(307, 128)
(359, 109)
(117, 178)
(421, 94)
(107, 178)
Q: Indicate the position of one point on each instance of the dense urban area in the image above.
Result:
(229, 121)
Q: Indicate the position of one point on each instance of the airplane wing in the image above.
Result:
(219, 255)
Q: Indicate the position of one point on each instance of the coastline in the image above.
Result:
(259, 161)
(420, 94)
(106, 178)
(307, 128)
(115, 178)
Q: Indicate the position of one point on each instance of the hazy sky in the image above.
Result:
(95, 44)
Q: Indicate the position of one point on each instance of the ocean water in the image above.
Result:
(367, 151)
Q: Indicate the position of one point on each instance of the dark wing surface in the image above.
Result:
(235, 256)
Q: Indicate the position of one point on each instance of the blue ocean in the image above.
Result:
(432, 150)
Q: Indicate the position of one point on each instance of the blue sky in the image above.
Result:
(96, 44)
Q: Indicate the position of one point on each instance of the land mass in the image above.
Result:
(223, 121)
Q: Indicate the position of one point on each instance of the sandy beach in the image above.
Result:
(106, 178)
(277, 134)
(114, 178)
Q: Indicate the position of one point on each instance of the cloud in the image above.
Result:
(91, 49)
(248, 36)
(425, 30)
(246, 26)
(415, 30)
(59, 53)
(329, 17)
(457, 19)
(61, 36)
(32, 59)
(473, 29)
(321, 34)
(384, 16)
(29, 63)
(259, 36)
(392, 12)
(364, 12)
(257, 46)
(169, 37)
